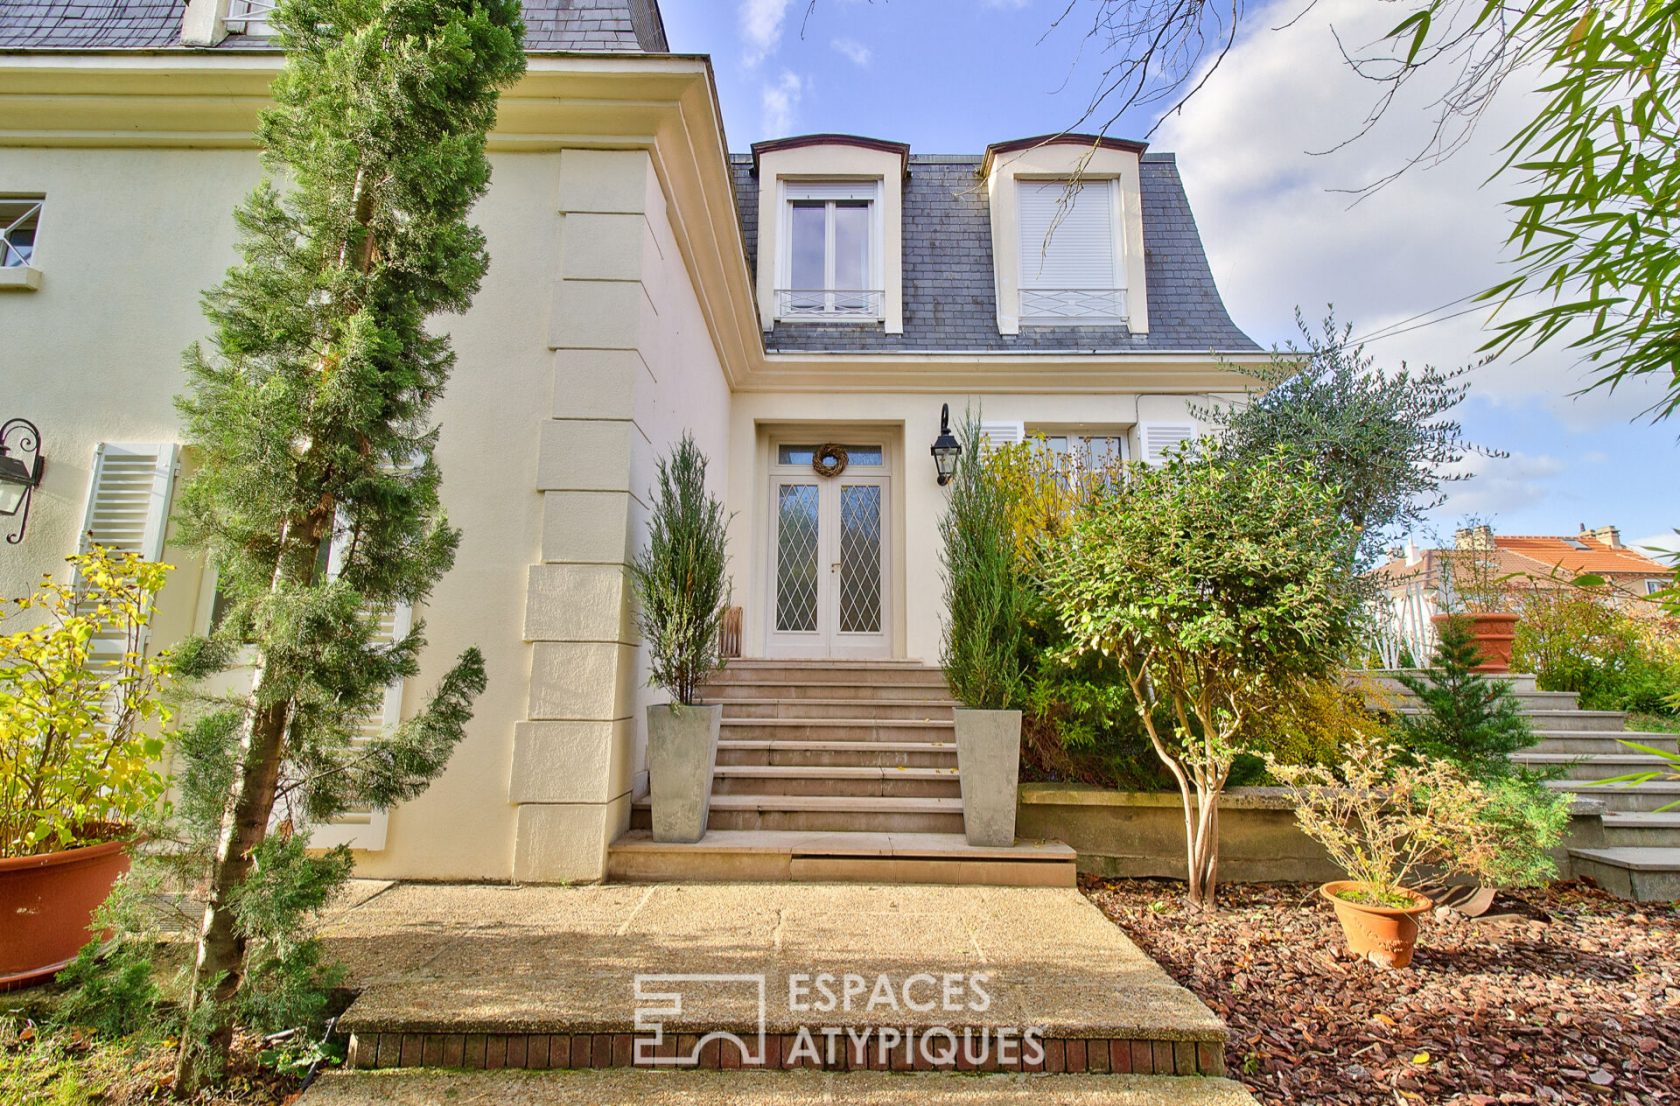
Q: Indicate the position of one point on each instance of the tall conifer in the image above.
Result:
(311, 411)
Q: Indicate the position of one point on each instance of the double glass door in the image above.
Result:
(828, 556)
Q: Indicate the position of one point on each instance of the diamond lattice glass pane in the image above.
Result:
(860, 559)
(796, 557)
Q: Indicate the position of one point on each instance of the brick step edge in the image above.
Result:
(547, 1051)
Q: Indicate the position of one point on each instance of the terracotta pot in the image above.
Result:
(47, 903)
(1384, 935)
(1494, 633)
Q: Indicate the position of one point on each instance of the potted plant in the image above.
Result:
(1385, 819)
(77, 767)
(682, 594)
(985, 635)
(1478, 597)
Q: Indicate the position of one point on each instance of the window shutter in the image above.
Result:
(364, 827)
(996, 434)
(1161, 438)
(128, 511)
(1071, 246)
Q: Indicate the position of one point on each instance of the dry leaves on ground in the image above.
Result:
(1583, 1007)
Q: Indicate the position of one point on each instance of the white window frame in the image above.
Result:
(830, 193)
(1042, 304)
(1652, 587)
(250, 17)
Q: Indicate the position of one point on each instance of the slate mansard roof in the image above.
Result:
(550, 25)
(950, 300)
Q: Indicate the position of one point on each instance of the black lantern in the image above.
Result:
(18, 477)
(946, 448)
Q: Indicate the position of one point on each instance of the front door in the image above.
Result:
(828, 553)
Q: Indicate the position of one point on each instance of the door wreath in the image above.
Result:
(829, 460)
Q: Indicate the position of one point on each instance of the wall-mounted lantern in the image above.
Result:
(19, 477)
(946, 448)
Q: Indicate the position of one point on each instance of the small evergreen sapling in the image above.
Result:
(311, 411)
(1468, 719)
(680, 579)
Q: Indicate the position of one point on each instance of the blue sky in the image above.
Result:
(952, 76)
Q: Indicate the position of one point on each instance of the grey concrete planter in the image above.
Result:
(988, 768)
(681, 753)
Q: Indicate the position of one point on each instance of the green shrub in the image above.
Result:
(1217, 587)
(986, 596)
(1468, 719)
(1580, 637)
(680, 577)
(76, 762)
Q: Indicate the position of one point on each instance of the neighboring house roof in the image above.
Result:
(550, 25)
(950, 298)
(1533, 560)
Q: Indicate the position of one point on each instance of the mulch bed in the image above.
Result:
(1571, 996)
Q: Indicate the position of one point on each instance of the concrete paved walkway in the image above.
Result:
(451, 959)
(793, 1088)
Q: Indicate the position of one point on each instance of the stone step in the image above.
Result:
(909, 709)
(880, 673)
(936, 858)
(1622, 796)
(1642, 828)
(825, 813)
(1640, 874)
(836, 729)
(1597, 766)
(779, 780)
(839, 754)
(1556, 721)
(787, 1088)
(851, 688)
(1598, 741)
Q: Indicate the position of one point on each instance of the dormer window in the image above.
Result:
(1071, 270)
(250, 17)
(831, 267)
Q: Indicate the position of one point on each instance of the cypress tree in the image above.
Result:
(311, 413)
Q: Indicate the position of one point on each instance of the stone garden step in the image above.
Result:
(896, 782)
(1595, 766)
(1642, 828)
(1586, 742)
(741, 1088)
(909, 858)
(1573, 721)
(851, 688)
(520, 977)
(927, 710)
(877, 673)
(837, 729)
(828, 813)
(837, 754)
(1643, 874)
(1622, 796)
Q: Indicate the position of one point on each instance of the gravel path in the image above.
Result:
(1574, 996)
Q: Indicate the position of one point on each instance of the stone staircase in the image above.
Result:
(835, 770)
(1628, 849)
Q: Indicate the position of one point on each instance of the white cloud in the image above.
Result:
(761, 27)
(778, 102)
(1657, 545)
(1499, 484)
(853, 50)
(1278, 235)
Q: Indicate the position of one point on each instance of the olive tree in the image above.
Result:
(1217, 587)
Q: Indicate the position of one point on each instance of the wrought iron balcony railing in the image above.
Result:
(1094, 305)
(825, 303)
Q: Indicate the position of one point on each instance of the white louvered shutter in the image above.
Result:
(1160, 438)
(128, 509)
(996, 434)
(1068, 264)
(364, 827)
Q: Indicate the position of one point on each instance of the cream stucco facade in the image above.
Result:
(619, 312)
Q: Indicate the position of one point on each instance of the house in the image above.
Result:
(1418, 583)
(821, 290)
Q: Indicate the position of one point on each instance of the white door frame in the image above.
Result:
(827, 640)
